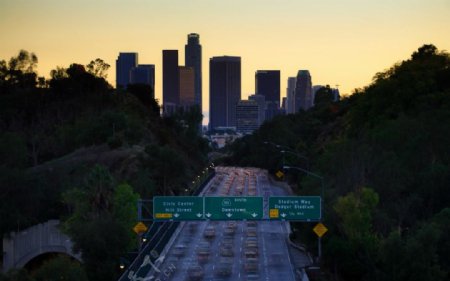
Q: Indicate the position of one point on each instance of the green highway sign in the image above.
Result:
(296, 208)
(234, 208)
(177, 208)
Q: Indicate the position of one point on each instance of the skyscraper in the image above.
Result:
(247, 118)
(171, 81)
(124, 63)
(303, 91)
(290, 94)
(193, 58)
(267, 84)
(261, 101)
(143, 74)
(224, 90)
(187, 87)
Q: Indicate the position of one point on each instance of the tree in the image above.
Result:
(16, 275)
(323, 97)
(60, 268)
(19, 72)
(100, 222)
(98, 68)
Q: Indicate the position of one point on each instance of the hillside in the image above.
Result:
(74, 148)
(383, 153)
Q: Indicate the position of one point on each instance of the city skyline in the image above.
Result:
(340, 42)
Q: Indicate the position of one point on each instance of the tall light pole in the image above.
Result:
(286, 149)
(296, 154)
(319, 244)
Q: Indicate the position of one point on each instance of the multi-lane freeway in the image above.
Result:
(230, 250)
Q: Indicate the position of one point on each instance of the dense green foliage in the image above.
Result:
(384, 154)
(60, 138)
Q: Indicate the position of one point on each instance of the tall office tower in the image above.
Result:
(171, 82)
(224, 90)
(247, 118)
(187, 87)
(315, 88)
(124, 63)
(267, 83)
(336, 94)
(143, 74)
(193, 58)
(261, 101)
(290, 94)
(303, 91)
(283, 105)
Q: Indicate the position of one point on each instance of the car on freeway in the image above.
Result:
(228, 231)
(179, 250)
(250, 253)
(252, 277)
(252, 224)
(209, 232)
(251, 265)
(203, 251)
(195, 273)
(192, 227)
(224, 268)
(251, 232)
(251, 242)
(226, 250)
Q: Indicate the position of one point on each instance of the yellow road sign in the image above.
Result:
(279, 174)
(273, 213)
(320, 229)
(140, 228)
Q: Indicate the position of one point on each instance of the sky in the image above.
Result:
(341, 42)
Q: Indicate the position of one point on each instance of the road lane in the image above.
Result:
(272, 261)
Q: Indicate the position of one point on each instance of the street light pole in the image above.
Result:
(298, 155)
(286, 149)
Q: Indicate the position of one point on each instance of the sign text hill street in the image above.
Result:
(297, 208)
(177, 208)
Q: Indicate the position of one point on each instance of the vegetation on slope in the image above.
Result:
(384, 154)
(74, 148)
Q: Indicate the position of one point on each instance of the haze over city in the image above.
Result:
(341, 42)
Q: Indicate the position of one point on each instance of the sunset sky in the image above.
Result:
(341, 42)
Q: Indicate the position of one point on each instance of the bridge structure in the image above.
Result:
(20, 248)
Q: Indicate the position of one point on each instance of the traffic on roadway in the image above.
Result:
(230, 250)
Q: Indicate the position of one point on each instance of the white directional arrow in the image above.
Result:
(229, 215)
(208, 215)
(199, 215)
(254, 215)
(176, 215)
(283, 215)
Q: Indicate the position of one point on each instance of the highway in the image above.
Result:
(230, 250)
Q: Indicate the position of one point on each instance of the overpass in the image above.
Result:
(19, 248)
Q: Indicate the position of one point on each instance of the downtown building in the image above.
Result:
(267, 84)
(128, 71)
(247, 116)
(193, 59)
(290, 95)
(224, 91)
(171, 82)
(143, 74)
(261, 101)
(124, 64)
(182, 85)
(187, 87)
(303, 91)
